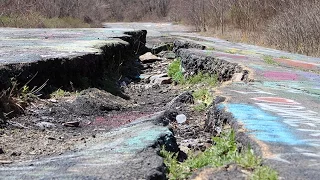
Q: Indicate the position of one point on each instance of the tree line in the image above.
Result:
(292, 25)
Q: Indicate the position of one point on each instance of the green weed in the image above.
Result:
(174, 71)
(231, 51)
(210, 48)
(200, 78)
(248, 159)
(264, 173)
(59, 93)
(204, 96)
(200, 107)
(284, 57)
(223, 152)
(269, 60)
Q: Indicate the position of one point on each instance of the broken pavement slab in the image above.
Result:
(149, 58)
(31, 45)
(124, 153)
(279, 110)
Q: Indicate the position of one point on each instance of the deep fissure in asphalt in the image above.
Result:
(78, 118)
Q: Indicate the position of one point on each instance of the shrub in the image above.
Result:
(223, 152)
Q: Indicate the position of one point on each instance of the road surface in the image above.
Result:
(279, 107)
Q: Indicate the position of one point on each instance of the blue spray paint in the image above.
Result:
(143, 139)
(264, 126)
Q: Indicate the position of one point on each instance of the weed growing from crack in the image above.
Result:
(264, 172)
(170, 46)
(14, 100)
(231, 51)
(269, 60)
(284, 57)
(223, 152)
(203, 78)
(200, 107)
(174, 71)
(59, 93)
(204, 97)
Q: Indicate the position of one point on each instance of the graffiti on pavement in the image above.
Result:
(253, 92)
(299, 87)
(265, 126)
(274, 75)
(294, 115)
(297, 64)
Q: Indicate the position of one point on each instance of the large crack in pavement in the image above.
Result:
(93, 123)
(96, 135)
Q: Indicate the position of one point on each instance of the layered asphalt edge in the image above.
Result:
(77, 72)
(80, 72)
(62, 71)
(194, 60)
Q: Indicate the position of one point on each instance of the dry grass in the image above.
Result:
(36, 20)
(291, 25)
(15, 99)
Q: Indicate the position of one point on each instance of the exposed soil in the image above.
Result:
(54, 126)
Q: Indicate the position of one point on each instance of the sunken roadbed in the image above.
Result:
(100, 113)
(107, 103)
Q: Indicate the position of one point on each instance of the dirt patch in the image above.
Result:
(54, 126)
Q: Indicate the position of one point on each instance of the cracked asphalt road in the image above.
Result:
(279, 107)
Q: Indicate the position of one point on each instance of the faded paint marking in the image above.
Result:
(274, 75)
(295, 63)
(275, 100)
(253, 92)
(264, 126)
(293, 115)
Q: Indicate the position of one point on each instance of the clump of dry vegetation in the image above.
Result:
(291, 25)
(15, 99)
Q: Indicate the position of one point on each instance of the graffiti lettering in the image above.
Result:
(253, 92)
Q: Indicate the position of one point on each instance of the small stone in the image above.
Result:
(53, 100)
(15, 153)
(72, 124)
(45, 125)
(181, 118)
(33, 153)
(51, 138)
(154, 77)
(144, 76)
(1, 151)
(149, 58)
(163, 80)
(5, 162)
(170, 55)
(237, 77)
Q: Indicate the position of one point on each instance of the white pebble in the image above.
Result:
(181, 118)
